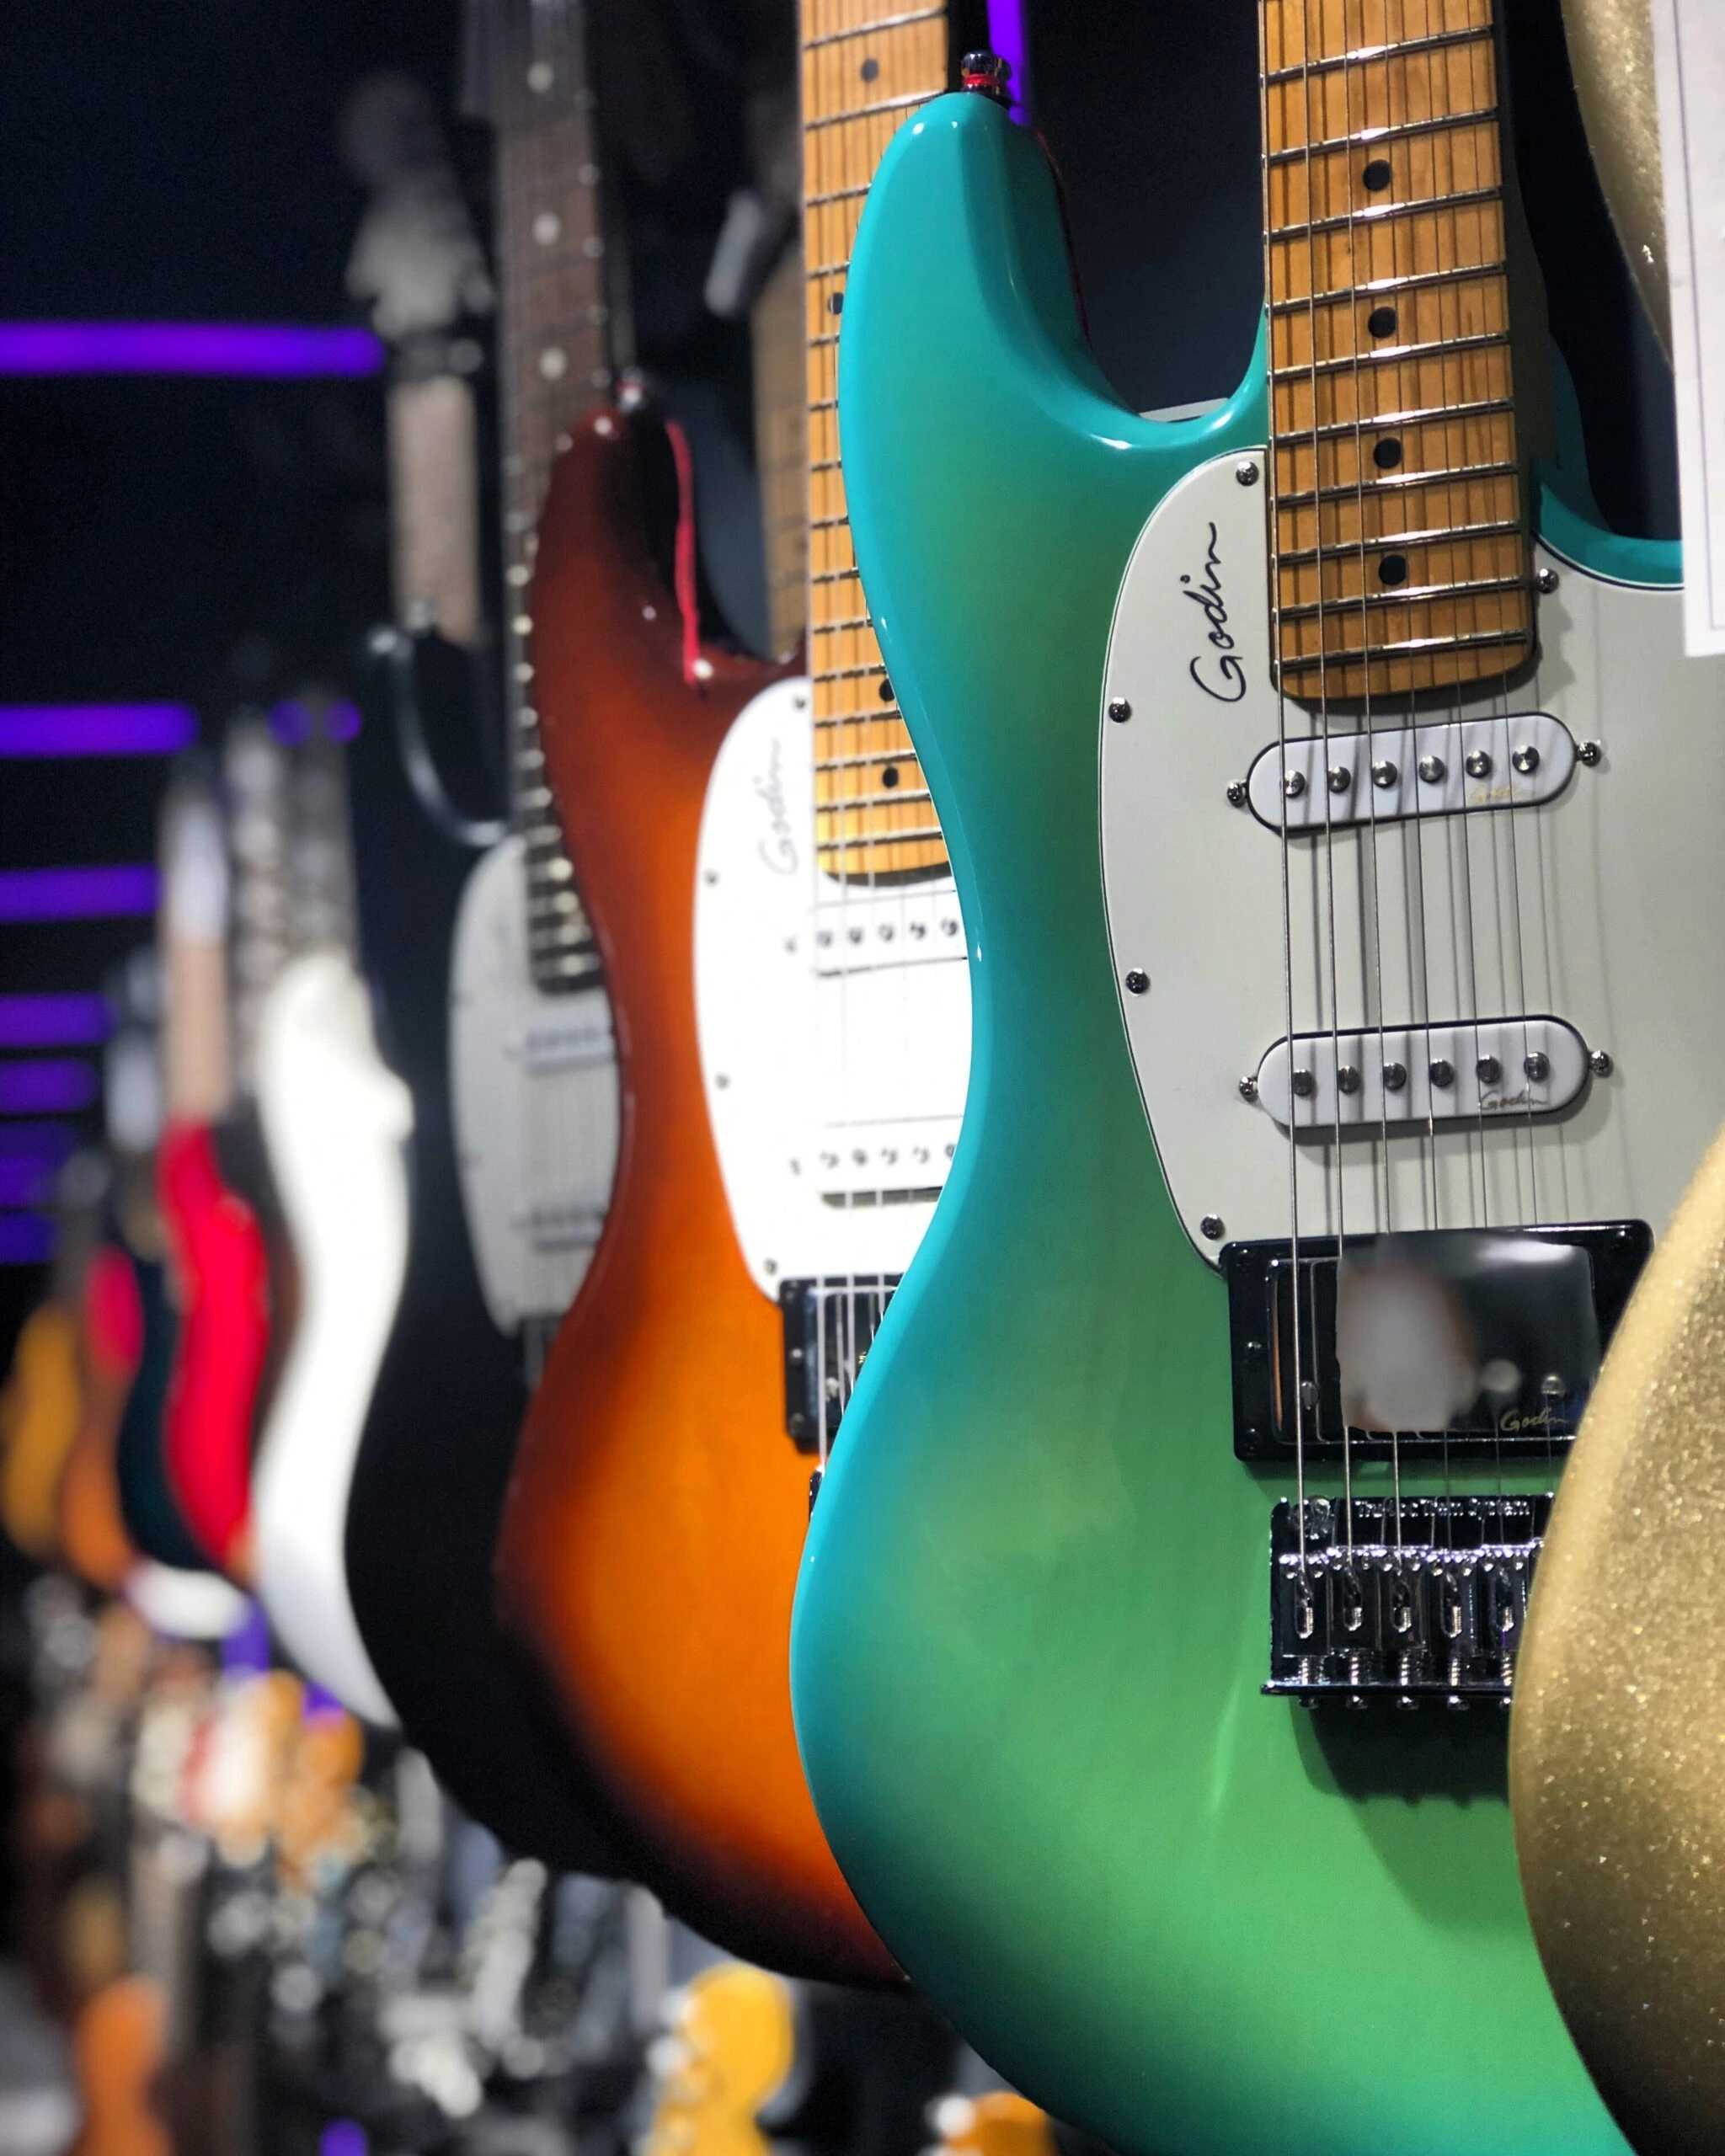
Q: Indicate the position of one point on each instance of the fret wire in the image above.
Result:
(1393, 131)
(1414, 416)
(1351, 491)
(1381, 213)
(1479, 639)
(875, 756)
(1389, 356)
(892, 797)
(873, 30)
(1371, 54)
(1416, 282)
(1402, 596)
(866, 111)
(1434, 535)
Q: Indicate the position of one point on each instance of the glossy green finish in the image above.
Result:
(1033, 1618)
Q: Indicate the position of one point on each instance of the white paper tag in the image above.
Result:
(1688, 59)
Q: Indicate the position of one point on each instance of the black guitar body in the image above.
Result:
(439, 1438)
(148, 1503)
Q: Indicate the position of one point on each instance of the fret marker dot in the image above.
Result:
(885, 691)
(548, 228)
(835, 304)
(870, 69)
(889, 776)
(553, 362)
(1381, 322)
(1376, 175)
(1393, 569)
(1387, 455)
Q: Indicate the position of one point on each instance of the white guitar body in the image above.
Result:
(1564, 917)
(336, 1120)
(834, 1021)
(533, 1093)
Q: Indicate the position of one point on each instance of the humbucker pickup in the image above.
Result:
(1392, 1076)
(1316, 784)
(1543, 1316)
(829, 1327)
(1426, 1599)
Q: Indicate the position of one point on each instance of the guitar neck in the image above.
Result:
(1398, 494)
(866, 69)
(557, 349)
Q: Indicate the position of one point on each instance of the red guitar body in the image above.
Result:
(221, 1270)
(655, 1524)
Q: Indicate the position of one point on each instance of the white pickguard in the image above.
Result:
(1599, 909)
(835, 1021)
(533, 1093)
(335, 1119)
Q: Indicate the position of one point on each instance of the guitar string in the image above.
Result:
(1273, 502)
(1331, 1169)
(1366, 776)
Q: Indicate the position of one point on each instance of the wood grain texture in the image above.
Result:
(1401, 551)
(655, 1521)
(866, 69)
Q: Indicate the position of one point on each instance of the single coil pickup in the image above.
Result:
(829, 1328)
(1393, 1078)
(1455, 767)
(1425, 1599)
(1538, 1306)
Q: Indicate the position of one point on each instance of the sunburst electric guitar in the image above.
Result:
(780, 940)
(1308, 770)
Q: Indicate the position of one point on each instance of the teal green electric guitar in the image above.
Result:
(1334, 814)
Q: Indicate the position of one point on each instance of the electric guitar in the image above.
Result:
(1301, 767)
(769, 890)
(91, 1529)
(532, 1065)
(335, 1120)
(220, 1267)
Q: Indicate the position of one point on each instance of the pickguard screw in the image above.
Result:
(1479, 764)
(1248, 1088)
(1236, 794)
(1600, 1063)
(1245, 471)
(1213, 1227)
(1137, 983)
(1525, 759)
(1588, 753)
(1546, 580)
(1293, 784)
(1120, 710)
(1432, 770)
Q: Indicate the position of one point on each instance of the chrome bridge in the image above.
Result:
(1459, 766)
(1364, 1083)
(1422, 1600)
(830, 1325)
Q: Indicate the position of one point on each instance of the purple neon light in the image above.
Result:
(25, 1182)
(47, 1085)
(292, 721)
(26, 1239)
(1005, 36)
(53, 1021)
(77, 893)
(52, 1143)
(96, 729)
(275, 350)
(342, 2137)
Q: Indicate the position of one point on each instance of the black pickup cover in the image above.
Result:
(829, 1327)
(1538, 1421)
